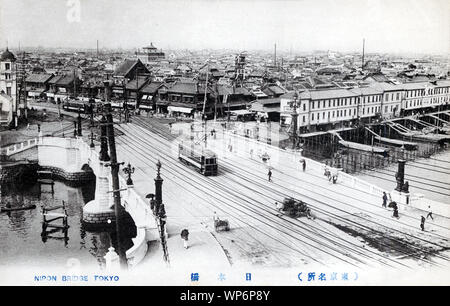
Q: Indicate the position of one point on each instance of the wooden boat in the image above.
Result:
(6, 209)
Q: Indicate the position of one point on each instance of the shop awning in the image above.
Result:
(240, 112)
(61, 96)
(35, 93)
(186, 110)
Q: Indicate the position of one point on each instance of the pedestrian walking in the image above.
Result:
(430, 213)
(422, 223)
(185, 237)
(385, 198)
(251, 153)
(28, 126)
(304, 165)
(395, 214)
(269, 174)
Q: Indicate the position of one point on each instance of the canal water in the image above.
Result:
(22, 242)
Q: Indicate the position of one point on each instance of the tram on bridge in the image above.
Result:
(204, 160)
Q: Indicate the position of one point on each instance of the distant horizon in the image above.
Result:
(269, 51)
(388, 27)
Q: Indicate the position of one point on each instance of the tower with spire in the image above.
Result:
(8, 87)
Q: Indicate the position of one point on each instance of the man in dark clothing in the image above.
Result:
(395, 214)
(422, 223)
(185, 237)
(270, 175)
(385, 198)
(304, 165)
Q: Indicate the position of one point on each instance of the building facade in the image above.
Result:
(335, 108)
(8, 87)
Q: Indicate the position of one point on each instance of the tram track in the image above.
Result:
(272, 213)
(414, 237)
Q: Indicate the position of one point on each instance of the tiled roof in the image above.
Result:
(65, 80)
(277, 90)
(327, 94)
(366, 91)
(133, 84)
(38, 78)
(242, 91)
(151, 88)
(126, 66)
(186, 88)
(55, 79)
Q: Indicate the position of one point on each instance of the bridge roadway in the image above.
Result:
(242, 194)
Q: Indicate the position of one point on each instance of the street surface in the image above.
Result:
(351, 228)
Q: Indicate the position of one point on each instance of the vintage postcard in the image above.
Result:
(225, 142)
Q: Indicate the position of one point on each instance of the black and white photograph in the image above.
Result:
(225, 143)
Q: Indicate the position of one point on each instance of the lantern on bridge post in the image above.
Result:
(92, 145)
(159, 210)
(129, 171)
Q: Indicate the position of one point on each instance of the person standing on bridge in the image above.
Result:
(185, 237)
(430, 213)
(422, 223)
(269, 174)
(395, 214)
(385, 198)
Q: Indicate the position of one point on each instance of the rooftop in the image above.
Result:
(39, 77)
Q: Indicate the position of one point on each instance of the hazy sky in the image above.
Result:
(300, 25)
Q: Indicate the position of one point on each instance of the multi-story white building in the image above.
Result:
(325, 109)
(425, 94)
(8, 88)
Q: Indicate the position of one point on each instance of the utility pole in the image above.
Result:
(362, 65)
(79, 126)
(294, 117)
(204, 102)
(118, 209)
(160, 211)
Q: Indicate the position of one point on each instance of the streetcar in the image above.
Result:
(75, 106)
(204, 160)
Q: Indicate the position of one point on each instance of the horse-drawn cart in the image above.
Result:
(221, 225)
(295, 208)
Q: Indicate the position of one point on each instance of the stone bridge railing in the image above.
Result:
(19, 147)
(243, 146)
(70, 155)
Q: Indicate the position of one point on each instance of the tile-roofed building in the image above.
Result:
(376, 77)
(37, 84)
(39, 78)
(151, 87)
(188, 97)
(129, 67)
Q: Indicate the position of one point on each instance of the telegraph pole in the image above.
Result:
(160, 211)
(294, 117)
(362, 65)
(118, 209)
